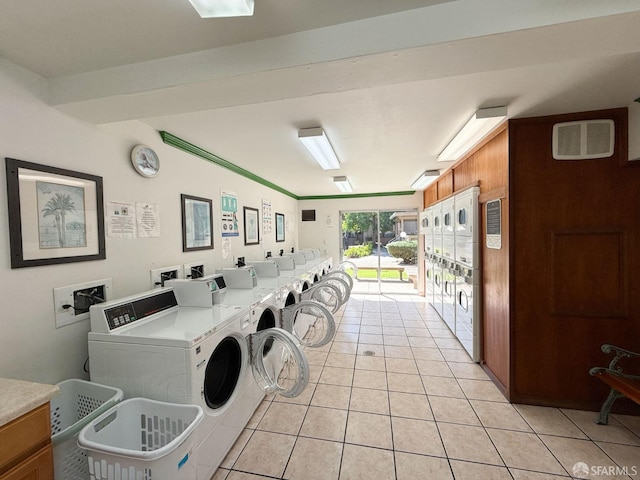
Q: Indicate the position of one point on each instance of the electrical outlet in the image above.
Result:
(159, 275)
(71, 303)
(194, 269)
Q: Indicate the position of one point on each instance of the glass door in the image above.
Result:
(383, 244)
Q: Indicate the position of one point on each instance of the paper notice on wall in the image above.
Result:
(229, 214)
(226, 248)
(148, 220)
(121, 220)
(267, 219)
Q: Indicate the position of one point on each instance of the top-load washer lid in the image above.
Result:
(184, 327)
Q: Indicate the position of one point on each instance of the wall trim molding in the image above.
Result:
(188, 147)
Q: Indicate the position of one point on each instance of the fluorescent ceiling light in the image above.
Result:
(343, 184)
(223, 8)
(318, 145)
(478, 126)
(425, 179)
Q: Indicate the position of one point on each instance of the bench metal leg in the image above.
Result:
(606, 407)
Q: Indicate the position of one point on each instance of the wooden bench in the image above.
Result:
(621, 384)
(400, 270)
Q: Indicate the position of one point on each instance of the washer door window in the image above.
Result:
(284, 369)
(222, 373)
(341, 285)
(310, 323)
(326, 294)
(342, 275)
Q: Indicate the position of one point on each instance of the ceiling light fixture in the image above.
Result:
(318, 145)
(425, 179)
(482, 122)
(343, 184)
(223, 8)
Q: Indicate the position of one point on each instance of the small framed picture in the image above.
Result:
(251, 227)
(55, 215)
(279, 227)
(197, 223)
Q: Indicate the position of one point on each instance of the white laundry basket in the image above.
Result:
(78, 402)
(142, 439)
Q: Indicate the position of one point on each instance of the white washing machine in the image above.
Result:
(149, 347)
(467, 252)
(467, 311)
(438, 282)
(466, 228)
(308, 321)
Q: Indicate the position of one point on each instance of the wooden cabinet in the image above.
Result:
(38, 466)
(26, 452)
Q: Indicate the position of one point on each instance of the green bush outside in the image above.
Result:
(407, 250)
(357, 251)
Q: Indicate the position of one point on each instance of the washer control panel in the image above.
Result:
(109, 316)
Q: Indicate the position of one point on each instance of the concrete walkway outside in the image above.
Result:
(387, 285)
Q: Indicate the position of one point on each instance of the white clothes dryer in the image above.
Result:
(149, 347)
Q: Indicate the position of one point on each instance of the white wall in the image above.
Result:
(324, 233)
(31, 348)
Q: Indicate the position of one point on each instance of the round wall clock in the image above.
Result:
(145, 161)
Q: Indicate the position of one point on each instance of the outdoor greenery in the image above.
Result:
(357, 251)
(407, 250)
(360, 222)
(372, 274)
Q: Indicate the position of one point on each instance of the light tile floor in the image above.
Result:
(417, 409)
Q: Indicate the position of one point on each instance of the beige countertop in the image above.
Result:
(18, 397)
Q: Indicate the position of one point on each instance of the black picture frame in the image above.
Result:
(251, 226)
(55, 215)
(197, 223)
(280, 227)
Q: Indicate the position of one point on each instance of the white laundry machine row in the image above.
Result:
(467, 271)
(150, 347)
(309, 322)
(452, 271)
(426, 229)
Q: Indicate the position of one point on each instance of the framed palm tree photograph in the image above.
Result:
(55, 215)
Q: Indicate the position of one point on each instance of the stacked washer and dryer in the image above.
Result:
(426, 229)
(452, 265)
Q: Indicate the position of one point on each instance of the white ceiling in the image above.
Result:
(390, 82)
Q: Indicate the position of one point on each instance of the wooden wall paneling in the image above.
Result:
(496, 345)
(574, 248)
(430, 195)
(464, 173)
(492, 163)
(445, 184)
